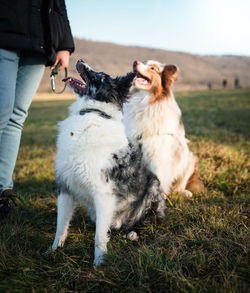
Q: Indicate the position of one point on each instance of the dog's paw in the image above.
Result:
(133, 236)
(99, 256)
(58, 243)
(186, 193)
(98, 260)
(54, 246)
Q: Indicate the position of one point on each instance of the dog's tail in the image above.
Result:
(194, 183)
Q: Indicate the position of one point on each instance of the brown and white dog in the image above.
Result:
(152, 118)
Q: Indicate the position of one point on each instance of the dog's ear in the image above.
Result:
(169, 75)
(123, 85)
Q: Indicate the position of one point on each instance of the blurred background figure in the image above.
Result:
(224, 83)
(236, 83)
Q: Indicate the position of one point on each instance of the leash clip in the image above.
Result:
(52, 78)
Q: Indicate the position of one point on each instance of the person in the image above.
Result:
(224, 83)
(236, 83)
(33, 34)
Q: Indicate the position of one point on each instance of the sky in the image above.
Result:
(206, 27)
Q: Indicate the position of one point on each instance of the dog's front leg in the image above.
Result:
(105, 208)
(65, 208)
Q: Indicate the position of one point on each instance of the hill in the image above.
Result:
(196, 71)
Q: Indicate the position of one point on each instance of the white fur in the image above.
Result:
(158, 124)
(84, 144)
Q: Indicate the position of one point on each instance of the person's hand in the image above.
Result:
(63, 58)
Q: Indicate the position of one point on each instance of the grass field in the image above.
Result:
(202, 245)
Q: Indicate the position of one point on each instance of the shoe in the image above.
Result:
(7, 202)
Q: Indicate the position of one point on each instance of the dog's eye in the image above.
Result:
(152, 68)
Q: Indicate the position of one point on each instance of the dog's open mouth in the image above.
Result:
(75, 84)
(141, 79)
(78, 86)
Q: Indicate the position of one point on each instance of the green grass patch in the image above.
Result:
(202, 245)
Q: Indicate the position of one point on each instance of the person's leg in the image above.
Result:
(30, 70)
(9, 66)
(9, 61)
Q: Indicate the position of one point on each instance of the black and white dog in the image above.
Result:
(97, 165)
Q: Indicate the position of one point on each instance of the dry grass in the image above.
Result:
(202, 245)
(54, 97)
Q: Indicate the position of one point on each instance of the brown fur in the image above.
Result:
(194, 183)
(162, 83)
(160, 89)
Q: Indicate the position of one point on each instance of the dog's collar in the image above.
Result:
(101, 113)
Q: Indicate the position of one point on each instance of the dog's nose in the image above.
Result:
(81, 61)
(135, 64)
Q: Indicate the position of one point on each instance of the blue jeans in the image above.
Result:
(20, 75)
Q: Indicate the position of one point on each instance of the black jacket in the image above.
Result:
(35, 25)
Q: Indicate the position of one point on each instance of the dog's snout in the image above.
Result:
(81, 65)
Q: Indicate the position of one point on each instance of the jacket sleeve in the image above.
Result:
(66, 42)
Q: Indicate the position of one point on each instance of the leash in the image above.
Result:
(52, 78)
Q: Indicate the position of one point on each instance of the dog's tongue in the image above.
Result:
(74, 83)
(140, 80)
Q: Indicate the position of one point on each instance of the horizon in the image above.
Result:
(155, 48)
(212, 28)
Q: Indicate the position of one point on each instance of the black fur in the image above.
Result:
(137, 187)
(103, 87)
